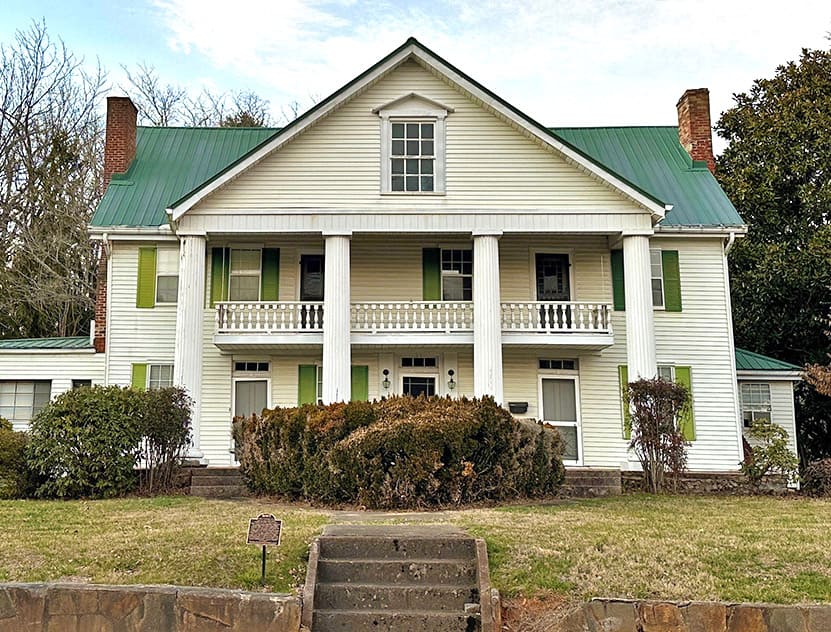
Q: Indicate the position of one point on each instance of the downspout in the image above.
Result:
(731, 241)
(105, 246)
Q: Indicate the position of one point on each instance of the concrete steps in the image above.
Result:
(217, 482)
(585, 482)
(416, 578)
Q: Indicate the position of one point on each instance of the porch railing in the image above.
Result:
(415, 316)
(285, 316)
(556, 317)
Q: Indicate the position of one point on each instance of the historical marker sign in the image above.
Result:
(265, 529)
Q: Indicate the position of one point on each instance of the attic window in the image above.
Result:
(412, 145)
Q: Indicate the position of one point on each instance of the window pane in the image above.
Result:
(412, 166)
(412, 148)
(398, 183)
(412, 183)
(657, 292)
(427, 130)
(167, 289)
(398, 148)
(167, 261)
(397, 165)
(559, 402)
(665, 373)
(569, 436)
(427, 148)
(426, 183)
(427, 166)
(244, 288)
(398, 130)
(245, 261)
(412, 130)
(453, 288)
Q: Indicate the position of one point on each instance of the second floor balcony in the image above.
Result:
(578, 324)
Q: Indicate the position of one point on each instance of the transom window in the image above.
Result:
(159, 376)
(657, 274)
(167, 275)
(755, 403)
(566, 365)
(457, 275)
(409, 362)
(21, 400)
(413, 156)
(251, 367)
(244, 278)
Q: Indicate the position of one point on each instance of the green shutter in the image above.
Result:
(618, 288)
(220, 264)
(139, 379)
(360, 383)
(672, 280)
(623, 378)
(431, 274)
(306, 384)
(146, 285)
(683, 376)
(270, 285)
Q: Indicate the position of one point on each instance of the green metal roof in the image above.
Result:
(749, 361)
(654, 159)
(170, 162)
(74, 342)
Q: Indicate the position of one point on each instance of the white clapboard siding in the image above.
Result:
(490, 164)
(781, 404)
(58, 367)
(135, 335)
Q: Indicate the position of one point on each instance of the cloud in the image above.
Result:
(563, 62)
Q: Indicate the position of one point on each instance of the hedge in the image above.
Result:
(400, 452)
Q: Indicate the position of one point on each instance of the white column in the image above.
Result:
(487, 317)
(640, 330)
(337, 347)
(187, 356)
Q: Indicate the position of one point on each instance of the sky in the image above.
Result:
(563, 62)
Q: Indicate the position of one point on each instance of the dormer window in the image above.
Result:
(413, 156)
(412, 145)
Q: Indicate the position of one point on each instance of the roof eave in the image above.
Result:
(768, 374)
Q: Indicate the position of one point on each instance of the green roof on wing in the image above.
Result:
(73, 342)
(749, 361)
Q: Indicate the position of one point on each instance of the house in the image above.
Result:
(415, 233)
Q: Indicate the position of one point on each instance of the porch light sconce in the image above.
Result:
(386, 382)
(451, 383)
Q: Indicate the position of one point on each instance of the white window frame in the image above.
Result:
(158, 365)
(755, 408)
(667, 367)
(560, 374)
(652, 253)
(420, 374)
(17, 422)
(454, 273)
(167, 267)
(413, 108)
(246, 273)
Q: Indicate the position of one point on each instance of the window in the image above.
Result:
(666, 373)
(755, 403)
(415, 385)
(167, 275)
(657, 274)
(251, 367)
(81, 384)
(562, 365)
(244, 278)
(413, 156)
(21, 400)
(559, 409)
(457, 275)
(159, 376)
(408, 362)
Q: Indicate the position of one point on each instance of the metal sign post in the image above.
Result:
(265, 530)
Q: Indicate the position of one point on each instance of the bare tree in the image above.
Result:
(157, 105)
(51, 144)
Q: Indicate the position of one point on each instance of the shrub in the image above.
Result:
(400, 452)
(816, 479)
(14, 473)
(656, 408)
(769, 452)
(164, 424)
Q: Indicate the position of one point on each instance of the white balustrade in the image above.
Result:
(411, 316)
(556, 317)
(260, 317)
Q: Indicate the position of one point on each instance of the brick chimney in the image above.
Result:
(694, 129)
(119, 151)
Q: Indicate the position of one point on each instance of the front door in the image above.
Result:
(250, 397)
(311, 289)
(553, 284)
(559, 409)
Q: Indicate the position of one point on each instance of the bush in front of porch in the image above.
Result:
(399, 452)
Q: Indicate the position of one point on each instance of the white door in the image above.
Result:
(560, 409)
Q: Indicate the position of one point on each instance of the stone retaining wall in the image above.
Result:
(617, 615)
(95, 608)
(711, 483)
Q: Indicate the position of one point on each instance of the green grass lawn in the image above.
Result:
(743, 549)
